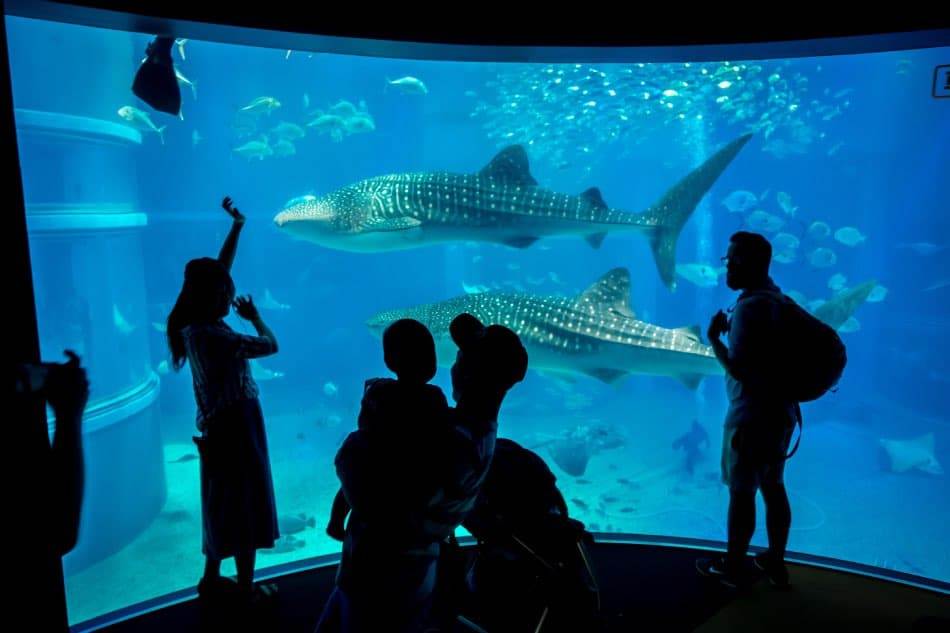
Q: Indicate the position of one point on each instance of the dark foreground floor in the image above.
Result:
(644, 588)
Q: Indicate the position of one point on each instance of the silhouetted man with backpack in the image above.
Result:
(778, 355)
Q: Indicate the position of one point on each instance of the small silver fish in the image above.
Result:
(409, 85)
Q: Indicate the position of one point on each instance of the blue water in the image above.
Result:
(113, 221)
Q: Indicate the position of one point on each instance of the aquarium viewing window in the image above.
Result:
(836, 151)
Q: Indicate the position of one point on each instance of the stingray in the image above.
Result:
(916, 453)
(574, 449)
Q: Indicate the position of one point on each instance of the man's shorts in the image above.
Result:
(753, 455)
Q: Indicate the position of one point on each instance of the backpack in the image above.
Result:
(817, 354)
(813, 356)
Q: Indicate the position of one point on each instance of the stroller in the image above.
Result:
(531, 570)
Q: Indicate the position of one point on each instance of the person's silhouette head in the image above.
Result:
(409, 351)
(205, 297)
(490, 360)
(747, 260)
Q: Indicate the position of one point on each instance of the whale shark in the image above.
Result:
(502, 203)
(595, 334)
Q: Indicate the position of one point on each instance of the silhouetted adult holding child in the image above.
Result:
(386, 571)
(237, 494)
(397, 415)
(760, 419)
(411, 485)
(490, 361)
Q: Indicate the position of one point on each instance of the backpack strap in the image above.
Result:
(798, 423)
(780, 297)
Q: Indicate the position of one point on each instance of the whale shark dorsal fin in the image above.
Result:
(510, 165)
(610, 292)
(691, 331)
(594, 197)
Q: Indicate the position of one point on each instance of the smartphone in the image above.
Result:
(31, 378)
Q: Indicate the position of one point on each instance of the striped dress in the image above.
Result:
(237, 492)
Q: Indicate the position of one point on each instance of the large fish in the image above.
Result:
(595, 334)
(502, 203)
(837, 310)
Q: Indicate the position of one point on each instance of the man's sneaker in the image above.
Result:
(776, 572)
(717, 568)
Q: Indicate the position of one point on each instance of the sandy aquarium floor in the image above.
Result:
(166, 556)
(844, 504)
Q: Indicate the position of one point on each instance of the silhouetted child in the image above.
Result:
(238, 511)
(397, 413)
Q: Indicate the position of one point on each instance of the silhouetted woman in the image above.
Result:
(237, 495)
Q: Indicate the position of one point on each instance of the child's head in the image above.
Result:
(409, 351)
(205, 297)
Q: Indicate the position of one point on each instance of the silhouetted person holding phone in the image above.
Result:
(760, 421)
(48, 490)
(237, 493)
(65, 388)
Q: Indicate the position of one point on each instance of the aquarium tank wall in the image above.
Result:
(585, 205)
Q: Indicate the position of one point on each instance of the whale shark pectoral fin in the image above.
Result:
(382, 225)
(571, 457)
(609, 376)
(522, 241)
(691, 331)
(596, 239)
(690, 380)
(932, 467)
